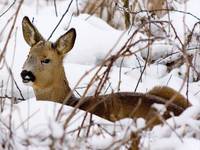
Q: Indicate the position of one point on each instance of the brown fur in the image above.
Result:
(51, 84)
(153, 5)
(169, 93)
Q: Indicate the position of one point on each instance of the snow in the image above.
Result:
(36, 120)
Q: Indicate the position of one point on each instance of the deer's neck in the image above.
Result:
(57, 91)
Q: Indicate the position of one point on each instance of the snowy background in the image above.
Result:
(37, 125)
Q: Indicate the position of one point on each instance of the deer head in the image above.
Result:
(43, 68)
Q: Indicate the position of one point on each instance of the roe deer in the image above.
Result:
(44, 71)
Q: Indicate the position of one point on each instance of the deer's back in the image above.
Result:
(125, 104)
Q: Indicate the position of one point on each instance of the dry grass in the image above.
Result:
(117, 13)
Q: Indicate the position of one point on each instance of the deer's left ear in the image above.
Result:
(30, 32)
(66, 42)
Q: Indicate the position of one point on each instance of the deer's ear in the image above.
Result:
(66, 42)
(30, 32)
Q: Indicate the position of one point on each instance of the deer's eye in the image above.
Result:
(45, 61)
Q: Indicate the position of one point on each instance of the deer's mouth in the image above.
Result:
(25, 81)
(28, 83)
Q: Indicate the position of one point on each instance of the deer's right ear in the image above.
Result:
(30, 32)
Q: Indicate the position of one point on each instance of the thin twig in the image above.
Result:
(11, 30)
(55, 6)
(8, 9)
(60, 20)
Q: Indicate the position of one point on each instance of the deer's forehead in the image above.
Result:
(43, 49)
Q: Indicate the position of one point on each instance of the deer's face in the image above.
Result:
(44, 62)
(41, 65)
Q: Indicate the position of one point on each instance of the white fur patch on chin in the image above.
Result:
(30, 83)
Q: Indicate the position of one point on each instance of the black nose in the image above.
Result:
(27, 76)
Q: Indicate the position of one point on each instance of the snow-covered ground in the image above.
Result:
(35, 124)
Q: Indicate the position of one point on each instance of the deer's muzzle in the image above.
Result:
(27, 76)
